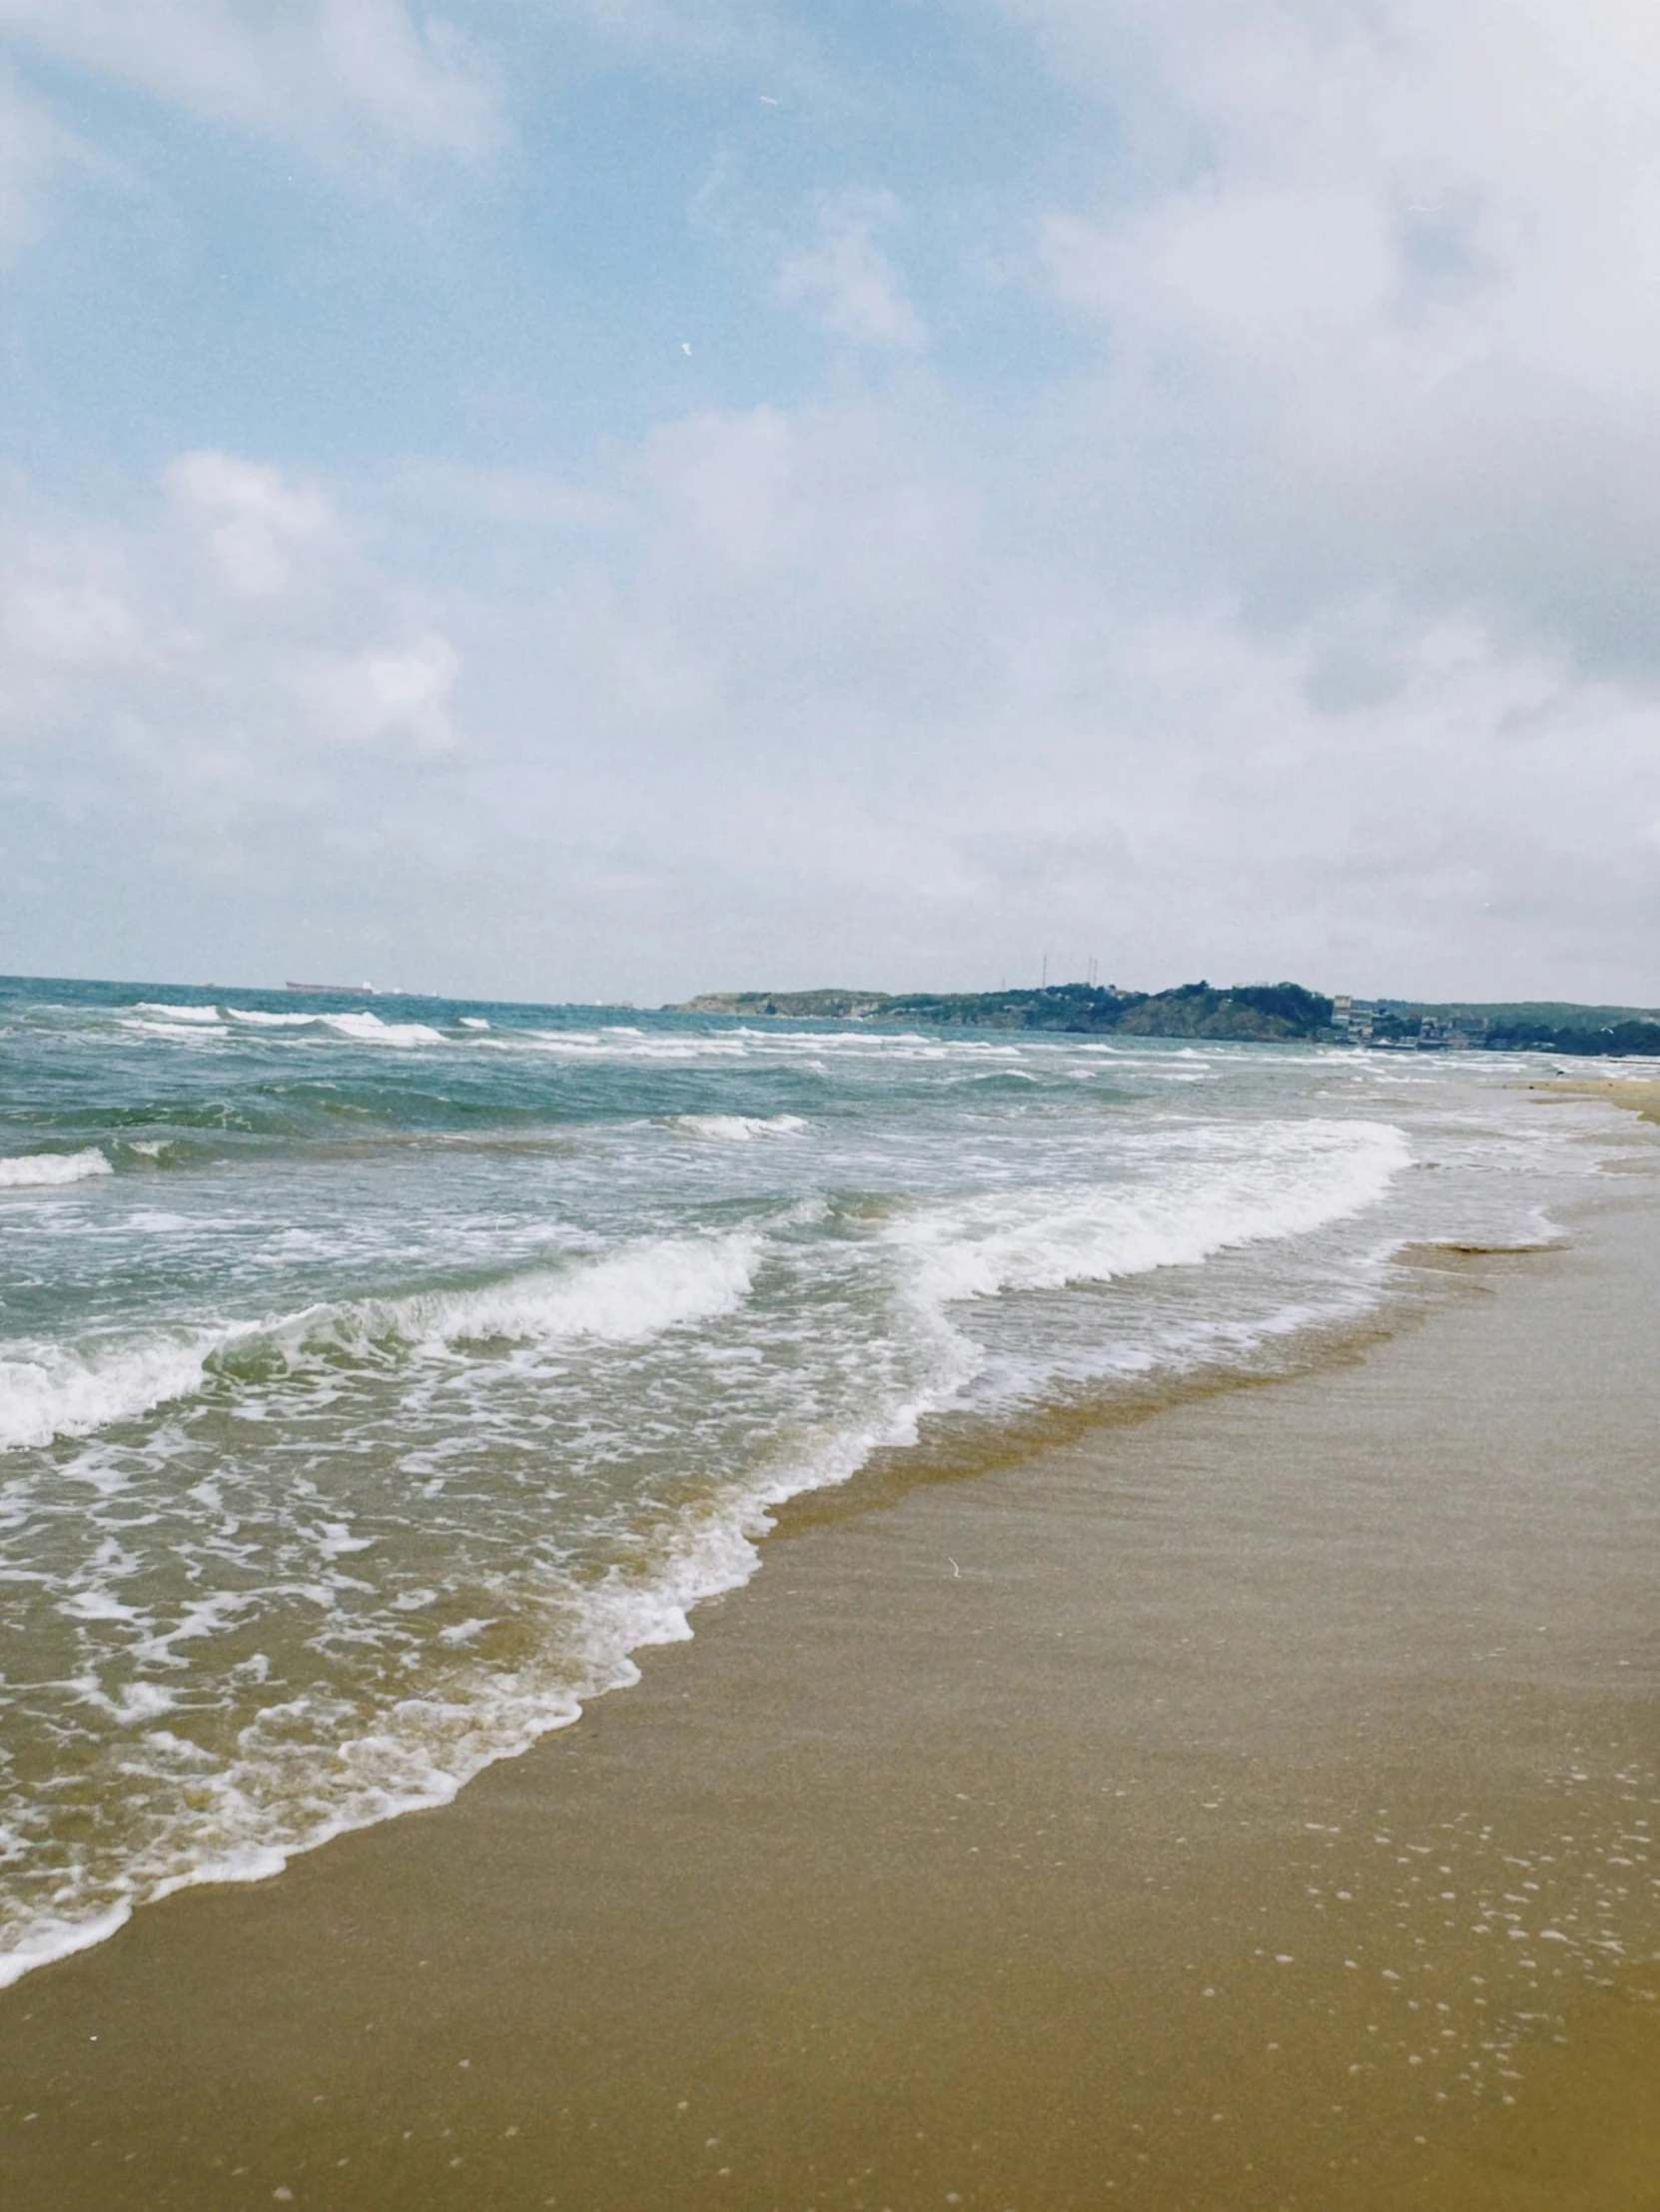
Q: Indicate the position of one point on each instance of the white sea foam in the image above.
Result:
(657, 1283)
(369, 1029)
(739, 1129)
(54, 1936)
(660, 1283)
(813, 1049)
(472, 1022)
(30, 1170)
(1263, 1182)
(255, 1020)
(183, 1033)
(51, 1390)
(281, 1798)
(178, 1013)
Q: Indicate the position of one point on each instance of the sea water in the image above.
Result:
(376, 1379)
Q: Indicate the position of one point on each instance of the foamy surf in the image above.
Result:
(739, 1129)
(276, 1800)
(50, 1390)
(1280, 1182)
(369, 1029)
(660, 1284)
(41, 1170)
(53, 1937)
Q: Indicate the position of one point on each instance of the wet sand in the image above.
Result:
(1247, 1805)
(1638, 1095)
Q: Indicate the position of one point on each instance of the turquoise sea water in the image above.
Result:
(377, 1376)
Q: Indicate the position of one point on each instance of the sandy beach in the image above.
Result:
(1245, 1805)
(1638, 1095)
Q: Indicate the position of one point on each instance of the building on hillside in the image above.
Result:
(1464, 1032)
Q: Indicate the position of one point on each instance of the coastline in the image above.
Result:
(996, 1836)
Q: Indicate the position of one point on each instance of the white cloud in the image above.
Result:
(847, 280)
(237, 626)
(808, 699)
(1393, 277)
(260, 531)
(79, 623)
(837, 687)
(364, 696)
(339, 78)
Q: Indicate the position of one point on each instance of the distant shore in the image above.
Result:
(1256, 1014)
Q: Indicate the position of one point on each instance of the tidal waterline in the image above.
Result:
(1249, 1804)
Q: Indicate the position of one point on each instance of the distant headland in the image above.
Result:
(1252, 1012)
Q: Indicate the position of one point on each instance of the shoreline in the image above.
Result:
(1632, 1094)
(998, 1835)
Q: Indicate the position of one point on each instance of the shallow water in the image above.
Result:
(374, 1381)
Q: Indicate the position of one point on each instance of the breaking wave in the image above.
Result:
(1242, 1188)
(33, 1170)
(660, 1283)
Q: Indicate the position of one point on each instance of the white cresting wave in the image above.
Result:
(186, 1022)
(37, 1170)
(369, 1029)
(1255, 1185)
(739, 1129)
(660, 1283)
(49, 1391)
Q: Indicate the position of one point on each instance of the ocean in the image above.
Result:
(377, 1379)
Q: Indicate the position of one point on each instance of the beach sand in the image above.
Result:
(1638, 1095)
(1244, 1805)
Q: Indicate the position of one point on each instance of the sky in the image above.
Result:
(601, 500)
